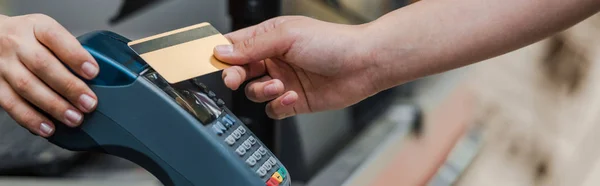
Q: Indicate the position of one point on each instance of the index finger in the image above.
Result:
(64, 45)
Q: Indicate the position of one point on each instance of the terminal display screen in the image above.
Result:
(194, 102)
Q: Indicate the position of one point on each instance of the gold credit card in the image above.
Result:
(182, 54)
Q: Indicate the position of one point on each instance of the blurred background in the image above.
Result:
(524, 118)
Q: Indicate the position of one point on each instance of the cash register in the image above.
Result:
(182, 133)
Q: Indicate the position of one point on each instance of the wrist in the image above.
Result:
(377, 58)
(361, 66)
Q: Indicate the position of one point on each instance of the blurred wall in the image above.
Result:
(80, 16)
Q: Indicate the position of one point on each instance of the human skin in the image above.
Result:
(32, 48)
(303, 65)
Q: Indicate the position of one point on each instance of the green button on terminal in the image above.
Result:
(282, 172)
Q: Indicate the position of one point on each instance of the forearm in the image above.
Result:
(433, 36)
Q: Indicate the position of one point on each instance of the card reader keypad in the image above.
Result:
(257, 155)
(230, 140)
(250, 150)
(236, 134)
(246, 146)
(251, 161)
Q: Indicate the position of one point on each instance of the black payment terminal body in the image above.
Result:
(181, 133)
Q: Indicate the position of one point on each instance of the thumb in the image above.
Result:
(253, 49)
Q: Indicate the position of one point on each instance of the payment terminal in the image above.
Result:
(181, 133)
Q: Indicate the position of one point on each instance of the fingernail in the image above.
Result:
(89, 69)
(286, 115)
(227, 80)
(46, 129)
(289, 99)
(87, 102)
(271, 89)
(73, 117)
(224, 49)
(230, 82)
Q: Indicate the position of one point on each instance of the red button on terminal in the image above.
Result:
(272, 182)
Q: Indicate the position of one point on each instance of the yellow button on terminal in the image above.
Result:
(277, 177)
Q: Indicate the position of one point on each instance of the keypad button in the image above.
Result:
(241, 151)
(230, 140)
(257, 155)
(282, 172)
(217, 130)
(247, 145)
(272, 182)
(199, 84)
(251, 140)
(262, 151)
(272, 161)
(236, 134)
(261, 172)
(251, 161)
(212, 95)
(227, 122)
(277, 177)
(230, 118)
(220, 103)
(221, 126)
(267, 166)
(242, 130)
